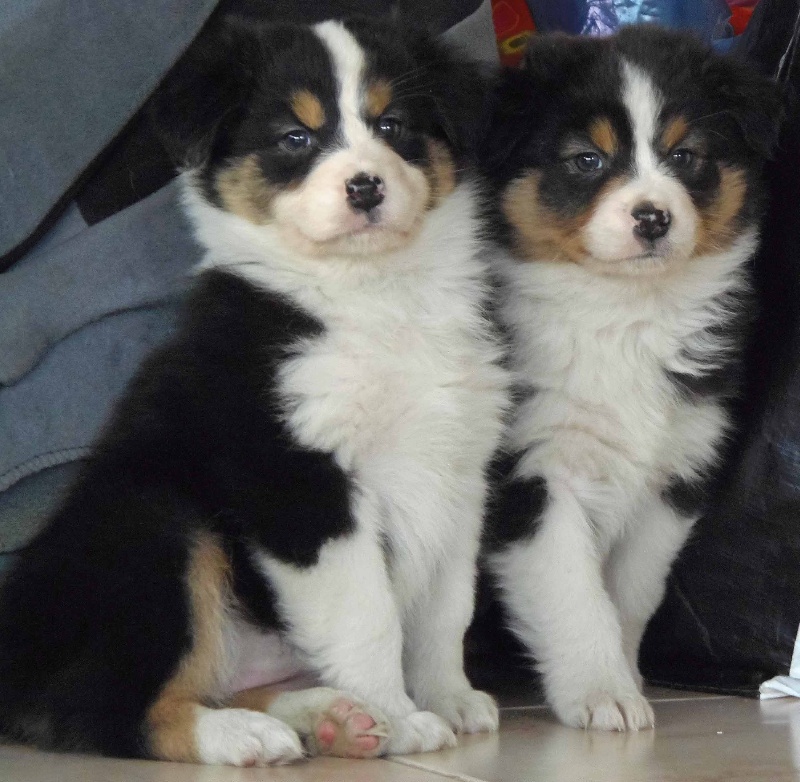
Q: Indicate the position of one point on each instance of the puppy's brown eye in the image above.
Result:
(388, 127)
(588, 162)
(296, 140)
(682, 158)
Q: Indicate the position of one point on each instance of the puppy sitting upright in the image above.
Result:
(626, 174)
(296, 480)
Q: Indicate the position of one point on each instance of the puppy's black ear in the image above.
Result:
(751, 101)
(551, 59)
(457, 85)
(511, 117)
(202, 91)
(524, 97)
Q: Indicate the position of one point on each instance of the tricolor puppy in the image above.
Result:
(296, 481)
(627, 199)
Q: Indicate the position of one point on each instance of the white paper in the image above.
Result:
(785, 686)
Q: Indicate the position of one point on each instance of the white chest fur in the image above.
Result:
(403, 385)
(605, 417)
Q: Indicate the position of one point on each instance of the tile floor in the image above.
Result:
(699, 738)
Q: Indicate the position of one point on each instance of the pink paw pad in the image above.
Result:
(345, 730)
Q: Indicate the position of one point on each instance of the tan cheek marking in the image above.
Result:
(603, 136)
(440, 172)
(378, 96)
(717, 229)
(171, 719)
(244, 191)
(541, 235)
(308, 109)
(676, 131)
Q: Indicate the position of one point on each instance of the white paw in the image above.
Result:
(240, 737)
(420, 731)
(603, 710)
(468, 711)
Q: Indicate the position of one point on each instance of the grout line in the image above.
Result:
(677, 699)
(703, 697)
(422, 767)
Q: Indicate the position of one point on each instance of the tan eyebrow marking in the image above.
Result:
(676, 130)
(378, 97)
(308, 109)
(603, 136)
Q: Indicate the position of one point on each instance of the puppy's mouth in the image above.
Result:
(374, 220)
(362, 233)
(373, 223)
(647, 262)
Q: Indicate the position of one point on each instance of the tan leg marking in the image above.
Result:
(171, 719)
(255, 699)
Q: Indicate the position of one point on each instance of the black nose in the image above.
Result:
(364, 192)
(651, 223)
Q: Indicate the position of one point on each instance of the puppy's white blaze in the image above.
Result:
(643, 102)
(349, 65)
(318, 211)
(609, 233)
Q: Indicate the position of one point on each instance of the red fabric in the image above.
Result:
(513, 25)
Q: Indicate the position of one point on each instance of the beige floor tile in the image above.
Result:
(663, 694)
(22, 765)
(697, 740)
(528, 694)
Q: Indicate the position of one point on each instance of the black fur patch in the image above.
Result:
(94, 618)
(515, 506)
(691, 498)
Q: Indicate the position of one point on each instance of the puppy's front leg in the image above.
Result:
(638, 568)
(554, 589)
(342, 615)
(435, 646)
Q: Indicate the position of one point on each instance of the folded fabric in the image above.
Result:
(136, 258)
(71, 76)
(63, 357)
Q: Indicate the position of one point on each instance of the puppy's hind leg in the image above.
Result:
(178, 726)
